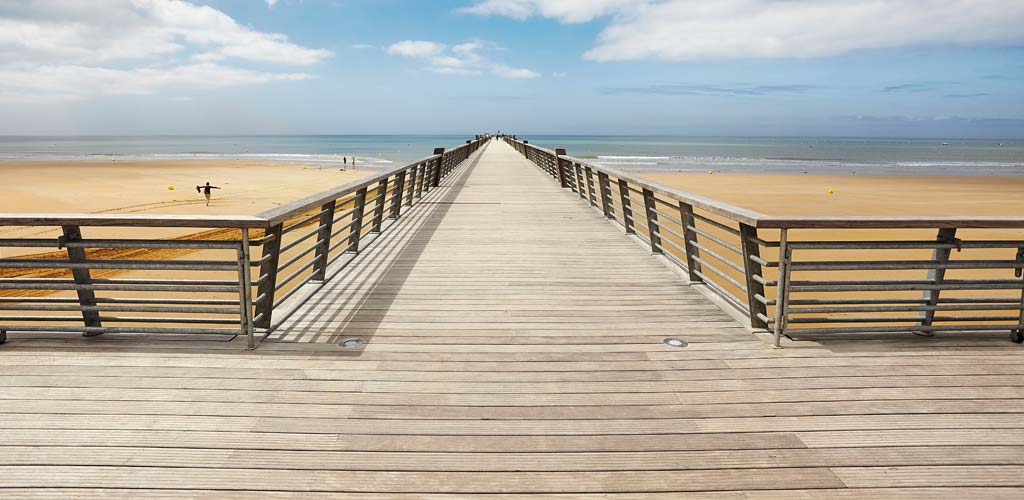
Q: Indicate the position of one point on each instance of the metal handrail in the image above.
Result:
(69, 265)
(725, 230)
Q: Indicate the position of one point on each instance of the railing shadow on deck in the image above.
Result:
(931, 276)
(328, 315)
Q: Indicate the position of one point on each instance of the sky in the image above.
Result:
(861, 68)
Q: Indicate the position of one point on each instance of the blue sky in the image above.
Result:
(907, 68)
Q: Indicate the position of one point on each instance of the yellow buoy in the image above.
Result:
(170, 187)
(710, 172)
(831, 191)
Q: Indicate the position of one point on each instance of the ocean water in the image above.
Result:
(635, 153)
(795, 155)
(319, 150)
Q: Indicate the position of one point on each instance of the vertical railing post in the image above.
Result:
(752, 250)
(422, 176)
(577, 172)
(440, 162)
(606, 201)
(267, 279)
(591, 198)
(83, 279)
(396, 203)
(323, 241)
(1018, 334)
(245, 291)
(653, 230)
(782, 289)
(690, 242)
(940, 257)
(355, 232)
(412, 185)
(627, 211)
(378, 206)
(560, 172)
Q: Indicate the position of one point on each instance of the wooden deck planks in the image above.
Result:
(512, 350)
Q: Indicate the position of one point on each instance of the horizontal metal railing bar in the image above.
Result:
(120, 288)
(298, 271)
(302, 222)
(111, 300)
(345, 227)
(96, 243)
(908, 308)
(896, 328)
(124, 319)
(668, 229)
(764, 300)
(719, 225)
(732, 299)
(1018, 283)
(268, 236)
(124, 281)
(764, 281)
(863, 265)
(941, 300)
(711, 267)
(134, 220)
(893, 319)
(671, 256)
(116, 308)
(347, 239)
(164, 265)
(338, 216)
(903, 288)
(889, 222)
(300, 239)
(300, 255)
(673, 245)
(259, 262)
(118, 329)
(721, 258)
(668, 217)
(764, 318)
(719, 241)
(903, 245)
(765, 263)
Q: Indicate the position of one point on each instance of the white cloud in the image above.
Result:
(568, 11)
(271, 3)
(415, 48)
(727, 29)
(461, 59)
(53, 50)
(85, 81)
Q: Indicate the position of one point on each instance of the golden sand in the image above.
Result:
(808, 194)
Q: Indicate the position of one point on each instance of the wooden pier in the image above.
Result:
(505, 341)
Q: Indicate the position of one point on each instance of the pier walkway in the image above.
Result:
(505, 340)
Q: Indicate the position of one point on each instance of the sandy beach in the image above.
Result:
(142, 186)
(807, 194)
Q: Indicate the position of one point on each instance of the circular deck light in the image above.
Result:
(351, 343)
(674, 342)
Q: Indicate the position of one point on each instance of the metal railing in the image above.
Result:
(828, 277)
(210, 282)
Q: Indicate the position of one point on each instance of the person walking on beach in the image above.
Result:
(206, 190)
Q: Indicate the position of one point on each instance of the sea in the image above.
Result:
(632, 153)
